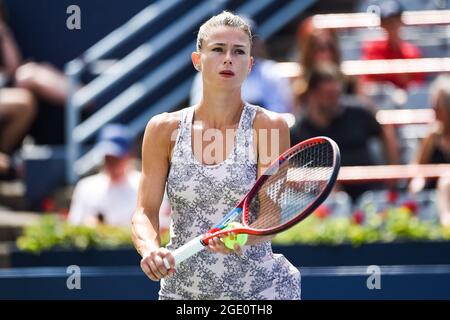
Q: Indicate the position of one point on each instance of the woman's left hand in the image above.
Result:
(216, 245)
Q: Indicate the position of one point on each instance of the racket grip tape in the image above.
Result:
(187, 250)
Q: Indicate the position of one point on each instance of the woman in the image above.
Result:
(435, 147)
(203, 185)
(17, 105)
(317, 47)
(32, 94)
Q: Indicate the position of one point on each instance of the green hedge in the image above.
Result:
(398, 224)
(53, 232)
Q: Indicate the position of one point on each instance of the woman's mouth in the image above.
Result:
(227, 73)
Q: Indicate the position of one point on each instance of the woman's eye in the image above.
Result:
(217, 49)
(240, 51)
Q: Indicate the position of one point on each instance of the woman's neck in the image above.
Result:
(220, 109)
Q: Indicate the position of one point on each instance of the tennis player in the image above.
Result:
(209, 155)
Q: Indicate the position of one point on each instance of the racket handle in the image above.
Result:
(186, 251)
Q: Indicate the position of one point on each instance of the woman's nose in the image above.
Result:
(228, 58)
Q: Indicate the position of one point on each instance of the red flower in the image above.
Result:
(322, 212)
(411, 205)
(48, 205)
(358, 217)
(392, 196)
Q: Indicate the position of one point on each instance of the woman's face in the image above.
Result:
(116, 167)
(323, 48)
(224, 59)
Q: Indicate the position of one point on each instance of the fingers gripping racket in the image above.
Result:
(292, 187)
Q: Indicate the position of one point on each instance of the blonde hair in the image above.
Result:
(224, 19)
(441, 85)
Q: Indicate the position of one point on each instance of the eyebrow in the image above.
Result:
(224, 44)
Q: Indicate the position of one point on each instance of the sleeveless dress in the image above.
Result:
(200, 195)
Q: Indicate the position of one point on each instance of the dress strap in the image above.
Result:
(244, 139)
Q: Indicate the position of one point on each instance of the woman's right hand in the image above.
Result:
(153, 266)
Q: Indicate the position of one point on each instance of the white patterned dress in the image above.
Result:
(200, 195)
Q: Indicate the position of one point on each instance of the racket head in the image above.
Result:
(316, 158)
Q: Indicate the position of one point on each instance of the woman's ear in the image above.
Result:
(195, 57)
(250, 65)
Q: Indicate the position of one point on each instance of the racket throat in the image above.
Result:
(231, 216)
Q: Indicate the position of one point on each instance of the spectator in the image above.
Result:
(17, 105)
(264, 86)
(30, 85)
(317, 47)
(435, 147)
(41, 79)
(110, 196)
(392, 47)
(350, 127)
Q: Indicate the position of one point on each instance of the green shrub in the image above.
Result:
(53, 232)
(397, 224)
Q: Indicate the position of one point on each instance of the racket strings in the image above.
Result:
(292, 188)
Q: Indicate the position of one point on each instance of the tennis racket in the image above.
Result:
(291, 189)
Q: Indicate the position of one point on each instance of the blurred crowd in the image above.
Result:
(323, 99)
(26, 87)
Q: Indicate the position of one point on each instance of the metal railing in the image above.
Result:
(77, 132)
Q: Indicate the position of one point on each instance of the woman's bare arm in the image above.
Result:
(145, 221)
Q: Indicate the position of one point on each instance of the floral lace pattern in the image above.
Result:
(200, 195)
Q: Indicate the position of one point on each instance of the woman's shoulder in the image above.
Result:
(266, 119)
(166, 119)
(165, 122)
